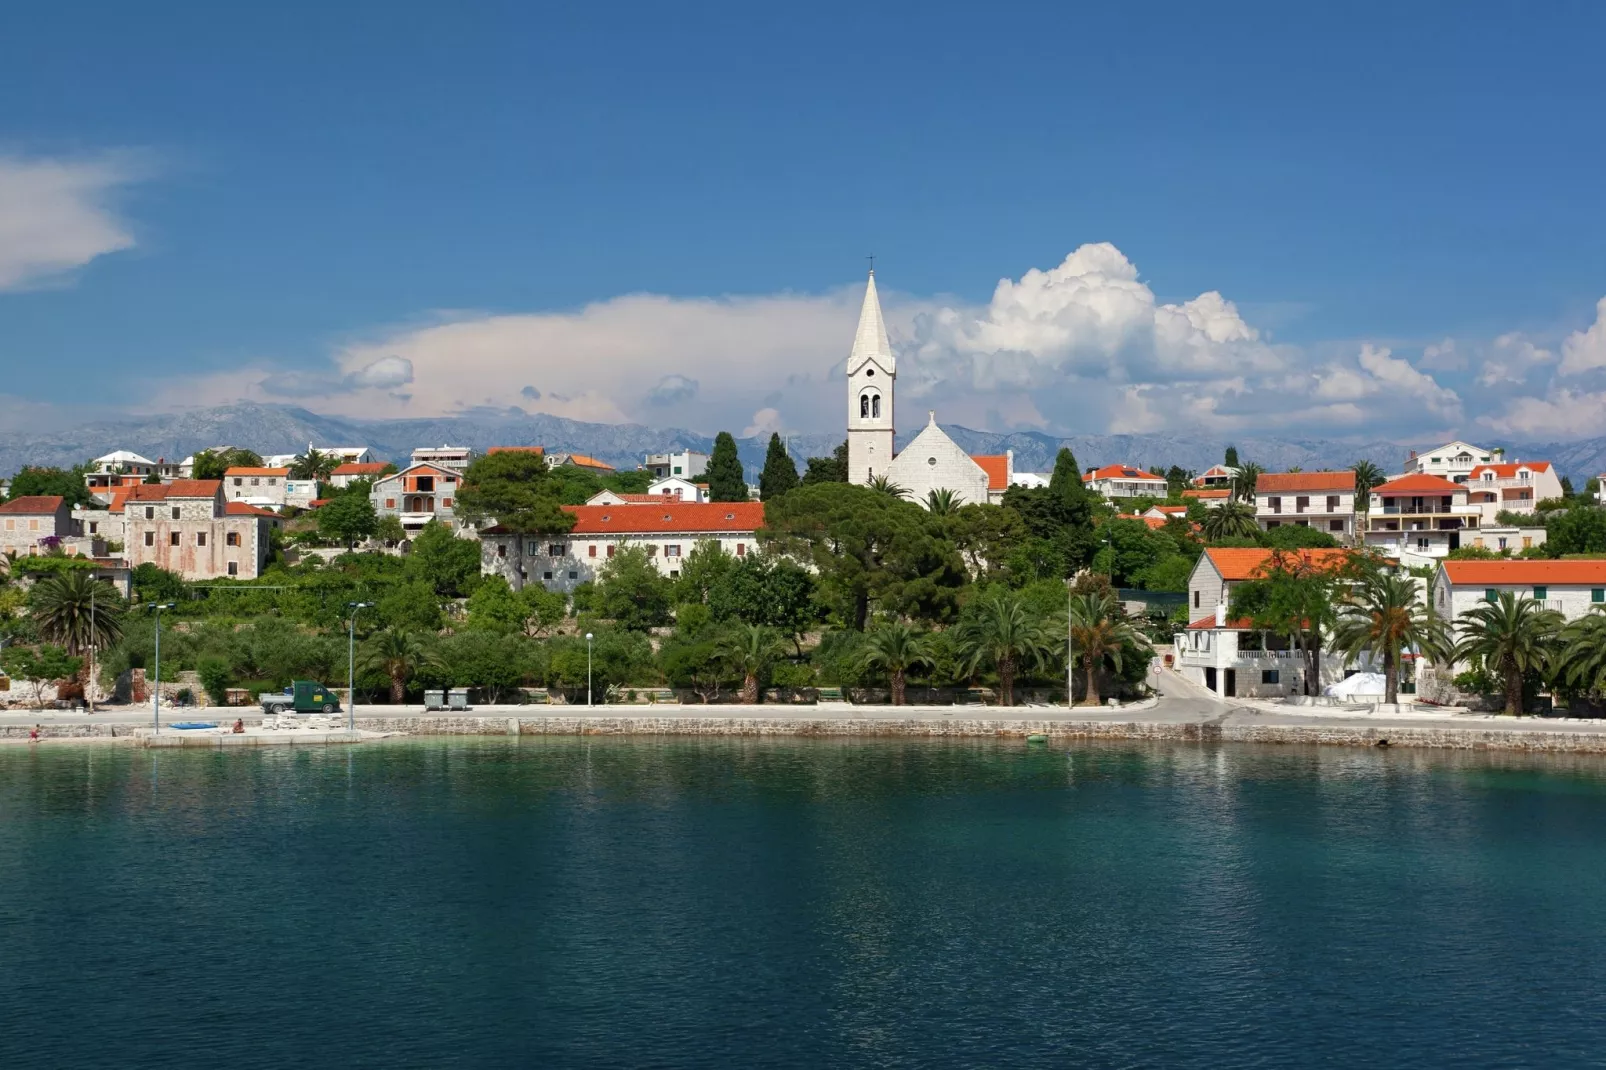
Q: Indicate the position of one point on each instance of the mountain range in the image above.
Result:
(284, 428)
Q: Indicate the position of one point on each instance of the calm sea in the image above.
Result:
(729, 903)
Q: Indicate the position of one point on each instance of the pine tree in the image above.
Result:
(726, 483)
(1231, 460)
(1066, 482)
(780, 473)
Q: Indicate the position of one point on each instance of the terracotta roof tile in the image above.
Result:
(1206, 495)
(1152, 521)
(33, 504)
(194, 488)
(247, 470)
(366, 468)
(1237, 624)
(1119, 471)
(997, 468)
(1526, 573)
(1291, 482)
(1418, 483)
(1509, 471)
(246, 509)
(1245, 563)
(672, 518)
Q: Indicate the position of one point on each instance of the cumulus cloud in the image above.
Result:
(1585, 350)
(765, 422)
(1562, 413)
(57, 214)
(385, 373)
(1513, 358)
(1442, 357)
(672, 390)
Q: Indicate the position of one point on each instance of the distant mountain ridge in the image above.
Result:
(286, 428)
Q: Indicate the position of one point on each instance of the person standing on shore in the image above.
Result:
(33, 734)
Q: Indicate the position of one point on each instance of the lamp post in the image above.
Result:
(351, 665)
(156, 692)
(588, 669)
(90, 682)
(1070, 654)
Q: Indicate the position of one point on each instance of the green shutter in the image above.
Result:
(1491, 595)
(1540, 593)
(1598, 594)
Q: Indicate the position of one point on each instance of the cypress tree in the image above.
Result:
(1066, 482)
(726, 483)
(780, 474)
(1231, 460)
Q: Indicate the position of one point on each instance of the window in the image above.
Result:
(1422, 544)
(1196, 600)
(546, 575)
(1301, 503)
(231, 539)
(200, 538)
(591, 551)
(610, 549)
(446, 503)
(1274, 504)
(501, 549)
(172, 538)
(150, 538)
(175, 512)
(1502, 542)
(272, 482)
(557, 549)
(424, 483)
(255, 482)
(672, 550)
(1270, 676)
(677, 469)
(93, 527)
(864, 406)
(1540, 593)
(1335, 525)
(1598, 594)
(741, 549)
(875, 405)
(234, 569)
(573, 575)
(1332, 503)
(238, 482)
(390, 503)
(1491, 595)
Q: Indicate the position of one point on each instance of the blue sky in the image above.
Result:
(394, 208)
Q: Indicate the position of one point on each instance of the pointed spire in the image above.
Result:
(870, 340)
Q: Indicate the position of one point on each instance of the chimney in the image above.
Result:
(1221, 614)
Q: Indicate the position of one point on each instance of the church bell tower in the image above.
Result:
(872, 370)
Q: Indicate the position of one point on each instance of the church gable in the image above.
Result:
(933, 461)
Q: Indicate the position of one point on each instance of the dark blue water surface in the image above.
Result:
(675, 903)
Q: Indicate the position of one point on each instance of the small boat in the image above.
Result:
(190, 725)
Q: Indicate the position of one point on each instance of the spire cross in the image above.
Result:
(872, 264)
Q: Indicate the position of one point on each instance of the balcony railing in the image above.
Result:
(1427, 510)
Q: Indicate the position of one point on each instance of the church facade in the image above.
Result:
(932, 461)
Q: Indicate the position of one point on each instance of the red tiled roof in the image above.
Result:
(1245, 563)
(249, 471)
(1290, 482)
(1206, 494)
(690, 518)
(537, 450)
(1152, 521)
(1526, 573)
(997, 468)
(1509, 471)
(1237, 624)
(33, 505)
(246, 509)
(366, 468)
(1173, 510)
(193, 488)
(1119, 471)
(588, 462)
(1418, 483)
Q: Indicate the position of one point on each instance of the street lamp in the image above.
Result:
(156, 692)
(588, 668)
(351, 665)
(1070, 653)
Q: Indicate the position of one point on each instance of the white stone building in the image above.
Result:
(268, 488)
(1453, 461)
(1125, 481)
(668, 531)
(1421, 516)
(688, 464)
(188, 527)
(456, 458)
(1571, 588)
(36, 524)
(1321, 500)
(345, 454)
(1517, 487)
(932, 461)
(344, 475)
(1231, 657)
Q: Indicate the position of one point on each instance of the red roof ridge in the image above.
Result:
(669, 517)
(1283, 482)
(996, 465)
(1418, 481)
(31, 504)
(1526, 572)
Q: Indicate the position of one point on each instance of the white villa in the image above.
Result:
(1124, 481)
(1321, 500)
(1517, 487)
(1453, 461)
(1421, 516)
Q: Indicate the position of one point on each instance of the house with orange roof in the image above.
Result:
(418, 494)
(1209, 497)
(268, 488)
(1420, 517)
(579, 460)
(188, 526)
(1321, 500)
(40, 524)
(667, 531)
(670, 489)
(1230, 656)
(1517, 487)
(344, 475)
(1124, 481)
(1572, 588)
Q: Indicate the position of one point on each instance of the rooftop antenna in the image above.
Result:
(871, 258)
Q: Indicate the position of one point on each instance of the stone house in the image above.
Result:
(190, 528)
(418, 494)
(36, 524)
(668, 531)
(345, 474)
(1321, 500)
(268, 488)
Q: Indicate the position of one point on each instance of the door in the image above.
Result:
(1231, 688)
(1210, 678)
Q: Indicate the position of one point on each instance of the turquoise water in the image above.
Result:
(684, 903)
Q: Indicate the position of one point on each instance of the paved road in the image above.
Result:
(1180, 702)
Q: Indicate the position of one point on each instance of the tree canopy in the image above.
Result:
(780, 473)
(515, 489)
(726, 481)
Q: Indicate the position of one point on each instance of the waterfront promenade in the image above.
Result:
(1183, 712)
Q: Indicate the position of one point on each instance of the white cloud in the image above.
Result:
(1563, 413)
(1513, 358)
(1442, 357)
(1585, 350)
(765, 422)
(56, 215)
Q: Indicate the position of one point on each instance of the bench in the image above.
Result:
(831, 694)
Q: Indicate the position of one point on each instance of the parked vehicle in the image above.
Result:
(302, 696)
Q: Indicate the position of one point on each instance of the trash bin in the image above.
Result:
(434, 700)
(457, 698)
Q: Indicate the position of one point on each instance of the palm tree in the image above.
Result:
(1383, 617)
(1510, 636)
(1367, 476)
(398, 654)
(314, 464)
(942, 502)
(1243, 484)
(1099, 632)
(1005, 634)
(1580, 667)
(897, 648)
(749, 649)
(885, 485)
(77, 611)
(1232, 519)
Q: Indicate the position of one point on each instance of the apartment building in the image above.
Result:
(418, 494)
(1217, 476)
(1453, 461)
(688, 464)
(188, 527)
(1421, 516)
(668, 531)
(1321, 500)
(1123, 481)
(1230, 656)
(1517, 487)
